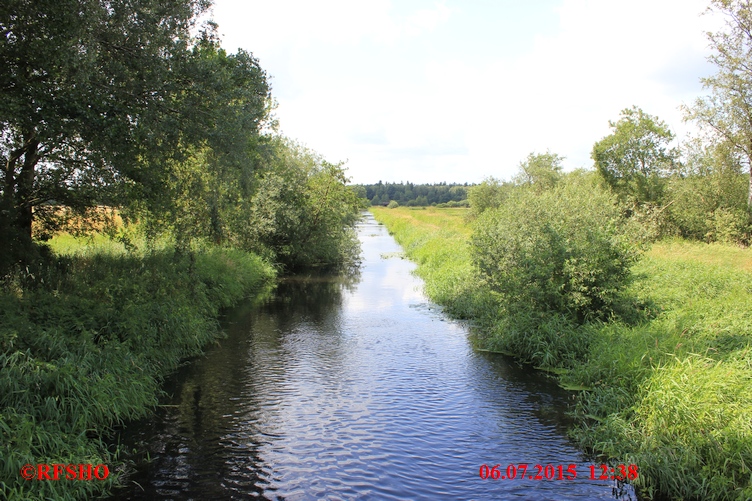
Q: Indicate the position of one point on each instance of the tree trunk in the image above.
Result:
(17, 202)
(749, 192)
(25, 187)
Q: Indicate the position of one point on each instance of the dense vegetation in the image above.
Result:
(85, 344)
(667, 388)
(414, 195)
(127, 121)
(631, 282)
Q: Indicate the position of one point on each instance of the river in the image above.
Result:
(357, 388)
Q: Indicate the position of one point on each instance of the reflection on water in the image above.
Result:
(354, 389)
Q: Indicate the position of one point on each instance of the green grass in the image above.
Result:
(86, 339)
(670, 390)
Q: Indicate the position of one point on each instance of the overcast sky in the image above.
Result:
(459, 90)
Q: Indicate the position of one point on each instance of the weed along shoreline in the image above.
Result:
(668, 389)
(89, 353)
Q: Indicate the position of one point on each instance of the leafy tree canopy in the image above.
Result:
(410, 194)
(103, 98)
(635, 155)
(726, 114)
(541, 170)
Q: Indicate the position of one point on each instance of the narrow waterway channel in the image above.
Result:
(357, 388)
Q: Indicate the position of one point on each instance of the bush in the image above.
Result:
(302, 214)
(454, 204)
(392, 205)
(564, 250)
(728, 226)
(710, 207)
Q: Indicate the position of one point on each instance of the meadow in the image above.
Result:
(667, 386)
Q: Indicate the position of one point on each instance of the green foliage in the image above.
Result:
(85, 343)
(708, 201)
(392, 205)
(489, 194)
(541, 170)
(560, 251)
(697, 410)
(728, 226)
(635, 157)
(90, 95)
(302, 213)
(125, 109)
(118, 104)
(672, 394)
(669, 392)
(453, 205)
(724, 114)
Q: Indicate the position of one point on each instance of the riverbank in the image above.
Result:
(670, 391)
(86, 339)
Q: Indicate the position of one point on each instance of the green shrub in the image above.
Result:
(728, 226)
(709, 207)
(461, 203)
(564, 250)
(392, 204)
(649, 398)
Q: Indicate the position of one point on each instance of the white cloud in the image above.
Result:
(366, 81)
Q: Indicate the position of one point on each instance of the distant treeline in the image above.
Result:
(409, 194)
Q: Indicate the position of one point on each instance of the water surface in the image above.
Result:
(355, 388)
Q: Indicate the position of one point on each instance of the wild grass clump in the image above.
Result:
(85, 343)
(682, 378)
(695, 418)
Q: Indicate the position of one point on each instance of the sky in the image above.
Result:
(455, 91)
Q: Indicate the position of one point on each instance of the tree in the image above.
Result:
(636, 155)
(541, 170)
(707, 200)
(489, 194)
(89, 103)
(224, 106)
(302, 213)
(726, 114)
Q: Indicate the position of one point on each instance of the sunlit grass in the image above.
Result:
(729, 256)
(65, 244)
(671, 392)
(86, 339)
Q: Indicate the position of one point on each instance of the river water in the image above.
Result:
(356, 388)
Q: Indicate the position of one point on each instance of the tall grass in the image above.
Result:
(669, 390)
(85, 341)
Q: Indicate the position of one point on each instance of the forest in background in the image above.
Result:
(414, 195)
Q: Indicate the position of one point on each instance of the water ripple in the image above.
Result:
(356, 391)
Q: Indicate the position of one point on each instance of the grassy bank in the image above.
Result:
(86, 339)
(669, 390)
